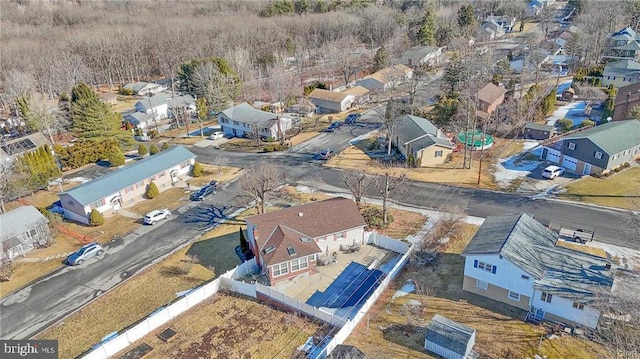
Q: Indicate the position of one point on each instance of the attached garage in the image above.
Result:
(569, 163)
(553, 155)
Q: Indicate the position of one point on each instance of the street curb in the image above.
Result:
(553, 199)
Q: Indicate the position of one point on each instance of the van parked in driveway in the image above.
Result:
(552, 172)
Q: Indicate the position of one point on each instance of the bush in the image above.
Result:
(586, 123)
(274, 147)
(125, 91)
(115, 157)
(564, 124)
(373, 217)
(7, 268)
(152, 191)
(152, 133)
(165, 146)
(197, 170)
(617, 169)
(142, 150)
(153, 149)
(626, 165)
(270, 139)
(96, 218)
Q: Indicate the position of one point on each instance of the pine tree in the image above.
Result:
(426, 33)
(465, 16)
(152, 191)
(453, 75)
(165, 146)
(197, 170)
(381, 59)
(142, 150)
(96, 218)
(153, 149)
(116, 157)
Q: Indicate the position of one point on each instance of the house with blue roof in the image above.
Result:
(126, 186)
(420, 142)
(515, 259)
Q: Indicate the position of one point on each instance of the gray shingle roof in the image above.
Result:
(153, 101)
(531, 246)
(245, 113)
(137, 118)
(418, 131)
(539, 126)
(449, 334)
(113, 182)
(180, 101)
(417, 53)
(613, 137)
(20, 220)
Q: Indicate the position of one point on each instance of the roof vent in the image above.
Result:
(305, 239)
(607, 266)
(300, 214)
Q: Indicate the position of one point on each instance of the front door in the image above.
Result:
(539, 313)
(587, 169)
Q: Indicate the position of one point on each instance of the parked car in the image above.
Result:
(156, 215)
(333, 126)
(85, 252)
(552, 172)
(324, 155)
(204, 192)
(352, 118)
(216, 135)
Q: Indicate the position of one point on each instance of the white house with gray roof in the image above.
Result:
(597, 149)
(621, 73)
(145, 88)
(449, 339)
(420, 142)
(514, 259)
(242, 120)
(419, 55)
(126, 186)
(155, 106)
(22, 230)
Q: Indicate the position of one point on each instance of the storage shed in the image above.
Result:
(449, 339)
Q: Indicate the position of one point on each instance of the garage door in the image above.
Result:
(569, 163)
(553, 156)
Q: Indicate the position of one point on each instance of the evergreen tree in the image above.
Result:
(165, 146)
(381, 59)
(453, 76)
(609, 107)
(573, 47)
(210, 78)
(142, 150)
(289, 46)
(116, 157)
(244, 245)
(549, 102)
(197, 170)
(153, 149)
(23, 106)
(93, 119)
(152, 191)
(426, 33)
(64, 107)
(96, 218)
(465, 16)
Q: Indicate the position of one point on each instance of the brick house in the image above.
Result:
(286, 243)
(126, 186)
(489, 98)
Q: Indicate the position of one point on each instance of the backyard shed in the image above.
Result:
(538, 131)
(449, 339)
(567, 95)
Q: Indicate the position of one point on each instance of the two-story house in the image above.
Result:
(181, 104)
(155, 106)
(488, 99)
(621, 73)
(420, 142)
(490, 30)
(22, 230)
(244, 121)
(627, 99)
(506, 22)
(422, 55)
(622, 45)
(286, 243)
(514, 259)
(597, 149)
(126, 186)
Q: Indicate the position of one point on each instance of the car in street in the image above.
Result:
(216, 135)
(552, 172)
(333, 126)
(324, 155)
(156, 215)
(352, 118)
(204, 192)
(85, 252)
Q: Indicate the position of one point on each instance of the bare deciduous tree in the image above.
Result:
(358, 182)
(6, 171)
(259, 182)
(389, 180)
(220, 161)
(41, 118)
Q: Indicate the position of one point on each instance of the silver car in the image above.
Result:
(85, 252)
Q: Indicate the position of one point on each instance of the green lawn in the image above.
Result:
(621, 190)
(217, 252)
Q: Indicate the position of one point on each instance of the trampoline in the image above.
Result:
(475, 139)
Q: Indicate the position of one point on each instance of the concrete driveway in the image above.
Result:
(336, 141)
(534, 182)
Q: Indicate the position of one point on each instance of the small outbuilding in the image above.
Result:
(449, 339)
(568, 94)
(538, 131)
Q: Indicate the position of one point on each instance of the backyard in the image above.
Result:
(621, 190)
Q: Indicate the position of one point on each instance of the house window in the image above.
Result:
(438, 153)
(577, 305)
(486, 266)
(481, 284)
(298, 264)
(525, 277)
(140, 184)
(184, 164)
(97, 204)
(162, 174)
(128, 189)
(571, 146)
(235, 123)
(598, 155)
(340, 235)
(514, 296)
(280, 269)
(31, 233)
(546, 297)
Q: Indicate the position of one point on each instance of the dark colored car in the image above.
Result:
(352, 118)
(333, 126)
(204, 192)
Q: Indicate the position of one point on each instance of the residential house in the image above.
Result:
(538, 131)
(286, 243)
(126, 186)
(621, 73)
(420, 142)
(139, 120)
(535, 6)
(506, 22)
(514, 259)
(422, 55)
(330, 101)
(490, 30)
(145, 88)
(245, 121)
(386, 78)
(622, 45)
(12, 147)
(449, 339)
(627, 99)
(360, 95)
(184, 103)
(597, 149)
(23, 229)
(489, 98)
(155, 106)
(562, 38)
(108, 98)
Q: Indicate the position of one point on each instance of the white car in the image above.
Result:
(216, 135)
(552, 172)
(157, 215)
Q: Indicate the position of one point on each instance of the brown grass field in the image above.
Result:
(621, 190)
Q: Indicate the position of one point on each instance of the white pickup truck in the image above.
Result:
(156, 215)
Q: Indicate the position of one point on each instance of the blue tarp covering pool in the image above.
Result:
(350, 289)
